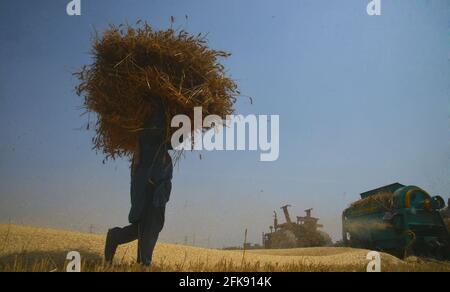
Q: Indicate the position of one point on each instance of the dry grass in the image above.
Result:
(137, 71)
(383, 200)
(25, 248)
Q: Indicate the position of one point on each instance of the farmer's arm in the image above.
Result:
(153, 135)
(154, 129)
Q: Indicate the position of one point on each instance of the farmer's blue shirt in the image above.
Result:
(151, 179)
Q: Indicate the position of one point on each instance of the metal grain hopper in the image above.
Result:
(401, 220)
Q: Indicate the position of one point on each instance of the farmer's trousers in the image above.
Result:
(146, 231)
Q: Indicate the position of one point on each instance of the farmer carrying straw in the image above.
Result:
(151, 175)
(139, 80)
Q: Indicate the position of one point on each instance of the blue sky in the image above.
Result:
(363, 101)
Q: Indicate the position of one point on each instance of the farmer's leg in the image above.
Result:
(149, 230)
(118, 236)
(126, 234)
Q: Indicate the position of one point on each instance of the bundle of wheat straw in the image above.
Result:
(136, 67)
(384, 200)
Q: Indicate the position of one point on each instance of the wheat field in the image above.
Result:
(26, 248)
